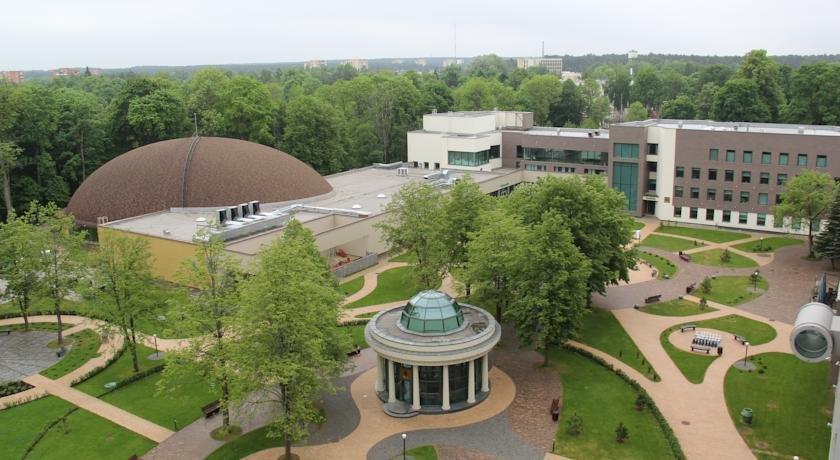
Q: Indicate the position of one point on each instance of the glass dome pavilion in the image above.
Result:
(432, 312)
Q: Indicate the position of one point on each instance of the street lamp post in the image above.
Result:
(403, 438)
(755, 276)
(746, 349)
(156, 347)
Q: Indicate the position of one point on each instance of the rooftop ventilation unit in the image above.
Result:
(255, 207)
(381, 195)
(680, 124)
(233, 213)
(223, 216)
(403, 172)
(432, 176)
(356, 206)
(244, 210)
(801, 130)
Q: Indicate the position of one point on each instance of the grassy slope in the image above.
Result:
(712, 258)
(663, 266)
(715, 236)
(791, 404)
(601, 330)
(602, 400)
(393, 285)
(85, 347)
(667, 243)
(353, 286)
(732, 290)
(676, 307)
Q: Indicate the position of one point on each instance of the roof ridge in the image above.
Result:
(186, 170)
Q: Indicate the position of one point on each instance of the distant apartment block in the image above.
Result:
(358, 64)
(553, 64)
(74, 71)
(632, 54)
(315, 64)
(12, 76)
(420, 62)
(576, 77)
(449, 62)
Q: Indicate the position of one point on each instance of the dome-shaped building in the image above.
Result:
(432, 354)
(194, 172)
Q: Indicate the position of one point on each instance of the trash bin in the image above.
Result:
(747, 415)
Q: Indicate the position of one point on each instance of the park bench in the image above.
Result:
(653, 298)
(5, 331)
(355, 351)
(61, 352)
(685, 257)
(690, 288)
(555, 409)
(701, 348)
(686, 327)
(740, 338)
(211, 409)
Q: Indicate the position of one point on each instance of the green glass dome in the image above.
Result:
(432, 312)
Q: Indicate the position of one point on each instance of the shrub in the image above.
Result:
(621, 433)
(14, 387)
(574, 426)
(706, 285)
(725, 256)
(641, 402)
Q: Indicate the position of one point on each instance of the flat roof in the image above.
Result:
(726, 126)
(466, 114)
(563, 132)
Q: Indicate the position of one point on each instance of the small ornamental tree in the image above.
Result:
(726, 256)
(574, 426)
(641, 402)
(827, 242)
(621, 433)
(21, 264)
(706, 285)
(703, 303)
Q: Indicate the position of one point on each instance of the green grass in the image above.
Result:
(601, 330)
(692, 365)
(715, 236)
(791, 403)
(357, 334)
(119, 370)
(247, 444)
(732, 290)
(667, 243)
(353, 286)
(182, 404)
(664, 268)
(406, 257)
(85, 347)
(420, 453)
(21, 423)
(602, 399)
(712, 258)
(638, 225)
(49, 327)
(676, 307)
(755, 332)
(768, 244)
(393, 285)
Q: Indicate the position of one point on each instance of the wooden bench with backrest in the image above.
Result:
(653, 298)
(701, 348)
(740, 338)
(685, 257)
(211, 409)
(5, 331)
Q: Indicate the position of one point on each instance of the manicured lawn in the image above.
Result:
(351, 287)
(712, 259)
(182, 404)
(732, 290)
(755, 332)
(406, 257)
(247, 444)
(676, 307)
(602, 400)
(119, 370)
(715, 236)
(667, 243)
(638, 225)
(601, 330)
(768, 244)
(393, 285)
(692, 365)
(85, 347)
(357, 334)
(791, 403)
(21, 423)
(664, 268)
(420, 453)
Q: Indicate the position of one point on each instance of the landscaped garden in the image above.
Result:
(393, 285)
(676, 307)
(768, 244)
(664, 268)
(245, 445)
(733, 290)
(715, 258)
(357, 334)
(405, 257)
(755, 332)
(601, 330)
(117, 371)
(692, 365)
(706, 234)
(353, 286)
(666, 243)
(791, 403)
(85, 346)
(601, 400)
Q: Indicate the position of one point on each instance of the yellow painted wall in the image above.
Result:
(166, 255)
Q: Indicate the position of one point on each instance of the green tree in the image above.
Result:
(704, 100)
(289, 346)
(681, 108)
(757, 67)
(462, 208)
(647, 87)
(827, 242)
(539, 93)
(208, 318)
(637, 112)
(815, 95)
(21, 263)
(807, 196)
(312, 134)
(617, 87)
(9, 154)
(706, 285)
(621, 433)
(247, 110)
(483, 94)
(739, 100)
(146, 110)
(490, 66)
(569, 108)
(551, 292)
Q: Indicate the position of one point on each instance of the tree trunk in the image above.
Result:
(58, 320)
(545, 356)
(132, 345)
(24, 310)
(225, 408)
(468, 286)
(7, 194)
(288, 454)
(82, 154)
(810, 240)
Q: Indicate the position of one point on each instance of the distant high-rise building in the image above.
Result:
(12, 76)
(358, 64)
(553, 64)
(632, 54)
(315, 64)
(449, 62)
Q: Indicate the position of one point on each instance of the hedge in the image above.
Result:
(14, 387)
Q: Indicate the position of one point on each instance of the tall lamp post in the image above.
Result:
(746, 349)
(755, 277)
(403, 438)
(156, 347)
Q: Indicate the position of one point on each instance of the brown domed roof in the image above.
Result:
(192, 173)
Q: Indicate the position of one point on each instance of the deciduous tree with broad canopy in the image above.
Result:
(807, 198)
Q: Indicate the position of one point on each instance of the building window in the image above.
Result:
(778, 199)
(695, 193)
(730, 156)
(626, 150)
(680, 171)
(710, 214)
(802, 159)
(469, 158)
(695, 173)
(713, 174)
(745, 197)
(728, 175)
(822, 161)
(652, 185)
(678, 191)
(746, 177)
(778, 223)
(534, 167)
(692, 213)
(626, 180)
(653, 149)
(727, 216)
(495, 152)
(766, 158)
(586, 157)
(762, 198)
(518, 164)
(742, 218)
(783, 159)
(764, 178)
(713, 154)
(747, 157)
(781, 179)
(678, 211)
(711, 194)
(796, 224)
(727, 196)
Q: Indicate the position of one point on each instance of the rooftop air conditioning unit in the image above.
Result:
(233, 213)
(255, 207)
(244, 209)
(223, 217)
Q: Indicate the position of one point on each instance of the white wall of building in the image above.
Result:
(431, 148)
(665, 167)
(471, 124)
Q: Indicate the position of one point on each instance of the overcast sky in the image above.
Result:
(45, 34)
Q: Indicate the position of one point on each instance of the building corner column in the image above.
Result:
(380, 375)
(471, 383)
(485, 380)
(415, 387)
(391, 391)
(445, 402)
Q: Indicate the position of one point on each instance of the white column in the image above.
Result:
(391, 393)
(471, 383)
(415, 387)
(445, 405)
(485, 380)
(380, 374)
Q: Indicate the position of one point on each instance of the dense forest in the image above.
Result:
(55, 132)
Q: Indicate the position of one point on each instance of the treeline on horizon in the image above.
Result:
(53, 133)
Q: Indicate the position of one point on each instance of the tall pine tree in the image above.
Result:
(827, 242)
